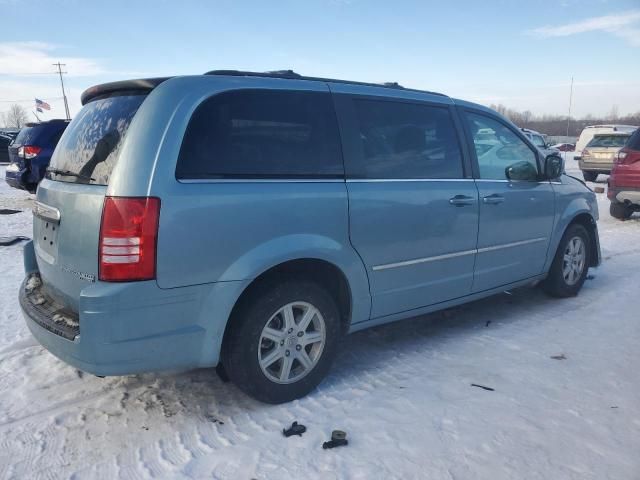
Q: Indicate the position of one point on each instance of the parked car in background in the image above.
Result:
(599, 154)
(588, 132)
(624, 181)
(4, 148)
(539, 140)
(564, 147)
(11, 133)
(31, 151)
(250, 220)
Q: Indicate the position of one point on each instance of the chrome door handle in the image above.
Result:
(461, 200)
(493, 199)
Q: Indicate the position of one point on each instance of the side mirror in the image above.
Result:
(521, 171)
(553, 166)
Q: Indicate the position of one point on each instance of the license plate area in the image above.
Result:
(47, 239)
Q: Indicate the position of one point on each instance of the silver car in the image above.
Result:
(598, 155)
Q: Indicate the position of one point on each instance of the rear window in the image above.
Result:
(634, 141)
(39, 135)
(89, 149)
(608, 141)
(262, 134)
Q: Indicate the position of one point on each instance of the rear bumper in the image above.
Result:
(600, 167)
(624, 184)
(127, 328)
(14, 176)
(624, 195)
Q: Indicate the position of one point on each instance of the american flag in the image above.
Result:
(42, 105)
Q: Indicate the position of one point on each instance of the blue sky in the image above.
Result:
(519, 53)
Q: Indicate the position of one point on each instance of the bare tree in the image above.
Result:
(15, 117)
(613, 114)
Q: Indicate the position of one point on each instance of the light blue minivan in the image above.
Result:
(250, 220)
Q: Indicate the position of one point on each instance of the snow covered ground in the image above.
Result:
(402, 392)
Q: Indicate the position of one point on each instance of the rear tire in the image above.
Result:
(620, 211)
(570, 264)
(267, 325)
(590, 176)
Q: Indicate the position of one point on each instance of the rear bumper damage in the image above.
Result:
(127, 328)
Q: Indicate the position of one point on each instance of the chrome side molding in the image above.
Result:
(493, 248)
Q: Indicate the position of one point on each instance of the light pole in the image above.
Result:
(570, 100)
(64, 96)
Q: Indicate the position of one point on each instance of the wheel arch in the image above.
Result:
(325, 273)
(582, 217)
(589, 223)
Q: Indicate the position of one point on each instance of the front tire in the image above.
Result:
(282, 340)
(590, 176)
(570, 264)
(620, 211)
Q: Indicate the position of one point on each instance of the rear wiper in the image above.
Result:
(68, 173)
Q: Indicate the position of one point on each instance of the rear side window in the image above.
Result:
(262, 134)
(634, 141)
(538, 141)
(406, 141)
(89, 148)
(608, 141)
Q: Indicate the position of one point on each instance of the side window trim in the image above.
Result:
(350, 131)
(474, 157)
(463, 139)
(348, 128)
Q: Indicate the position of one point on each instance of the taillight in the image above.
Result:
(28, 151)
(586, 153)
(627, 156)
(620, 156)
(128, 235)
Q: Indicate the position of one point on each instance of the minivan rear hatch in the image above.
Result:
(69, 201)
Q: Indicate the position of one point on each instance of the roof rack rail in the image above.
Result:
(270, 74)
(291, 75)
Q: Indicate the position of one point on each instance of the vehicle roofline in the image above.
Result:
(148, 84)
(53, 120)
(613, 134)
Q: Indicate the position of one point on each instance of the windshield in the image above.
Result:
(89, 149)
(616, 141)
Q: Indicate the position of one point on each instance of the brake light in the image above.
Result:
(128, 236)
(586, 153)
(620, 156)
(28, 151)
